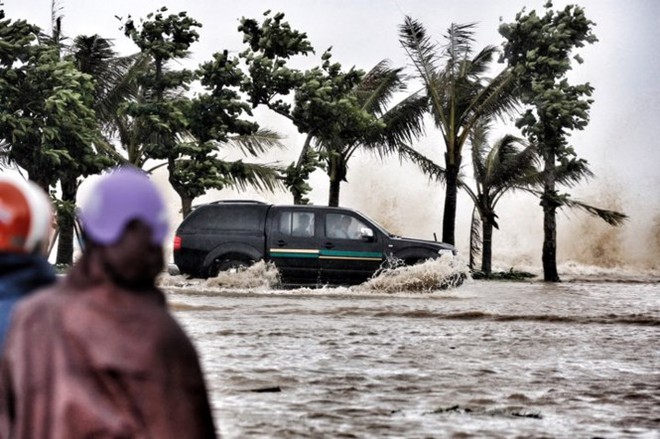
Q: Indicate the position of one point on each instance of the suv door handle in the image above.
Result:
(281, 243)
(329, 245)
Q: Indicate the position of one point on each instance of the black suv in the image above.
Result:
(308, 244)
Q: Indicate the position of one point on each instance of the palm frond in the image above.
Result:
(241, 175)
(480, 64)
(426, 165)
(479, 143)
(257, 143)
(611, 217)
(418, 46)
(497, 99)
(404, 122)
(122, 87)
(378, 86)
(459, 41)
(572, 172)
(506, 163)
(425, 57)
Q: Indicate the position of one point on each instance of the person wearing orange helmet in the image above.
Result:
(25, 226)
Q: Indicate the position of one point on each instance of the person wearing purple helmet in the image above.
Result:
(99, 355)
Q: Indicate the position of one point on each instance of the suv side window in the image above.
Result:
(340, 226)
(299, 224)
(219, 218)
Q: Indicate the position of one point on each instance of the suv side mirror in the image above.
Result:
(367, 234)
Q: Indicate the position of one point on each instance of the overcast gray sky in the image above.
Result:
(621, 142)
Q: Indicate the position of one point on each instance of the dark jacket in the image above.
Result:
(20, 275)
(100, 362)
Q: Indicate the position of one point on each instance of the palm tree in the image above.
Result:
(510, 165)
(506, 166)
(393, 129)
(459, 94)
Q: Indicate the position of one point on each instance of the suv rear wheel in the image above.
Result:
(231, 265)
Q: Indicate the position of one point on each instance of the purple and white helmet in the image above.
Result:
(119, 197)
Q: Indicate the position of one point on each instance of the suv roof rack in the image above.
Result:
(238, 201)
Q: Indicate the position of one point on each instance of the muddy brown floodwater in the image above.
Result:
(486, 359)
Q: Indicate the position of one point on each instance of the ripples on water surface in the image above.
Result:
(486, 359)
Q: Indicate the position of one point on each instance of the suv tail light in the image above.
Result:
(177, 243)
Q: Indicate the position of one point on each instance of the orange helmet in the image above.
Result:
(25, 216)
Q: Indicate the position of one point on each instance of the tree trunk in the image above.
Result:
(65, 219)
(180, 189)
(449, 218)
(333, 198)
(487, 244)
(186, 205)
(337, 173)
(549, 241)
(549, 203)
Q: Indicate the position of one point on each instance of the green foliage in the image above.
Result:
(161, 109)
(539, 48)
(216, 114)
(47, 114)
(271, 44)
(296, 175)
(189, 132)
(325, 106)
(163, 37)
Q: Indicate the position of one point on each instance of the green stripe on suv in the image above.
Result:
(325, 254)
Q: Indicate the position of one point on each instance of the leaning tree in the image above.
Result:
(538, 49)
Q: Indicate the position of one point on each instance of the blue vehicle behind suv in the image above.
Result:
(309, 245)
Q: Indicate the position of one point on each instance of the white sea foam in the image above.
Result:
(427, 277)
(431, 275)
(259, 276)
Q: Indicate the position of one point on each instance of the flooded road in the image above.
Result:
(486, 359)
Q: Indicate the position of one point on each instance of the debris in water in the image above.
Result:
(273, 389)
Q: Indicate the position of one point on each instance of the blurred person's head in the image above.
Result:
(124, 223)
(26, 216)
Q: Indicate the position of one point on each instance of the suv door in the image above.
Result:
(293, 244)
(352, 249)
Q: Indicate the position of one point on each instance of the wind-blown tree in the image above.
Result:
(271, 82)
(459, 95)
(329, 109)
(164, 38)
(46, 118)
(337, 110)
(51, 128)
(505, 166)
(186, 132)
(538, 50)
(389, 129)
(215, 124)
